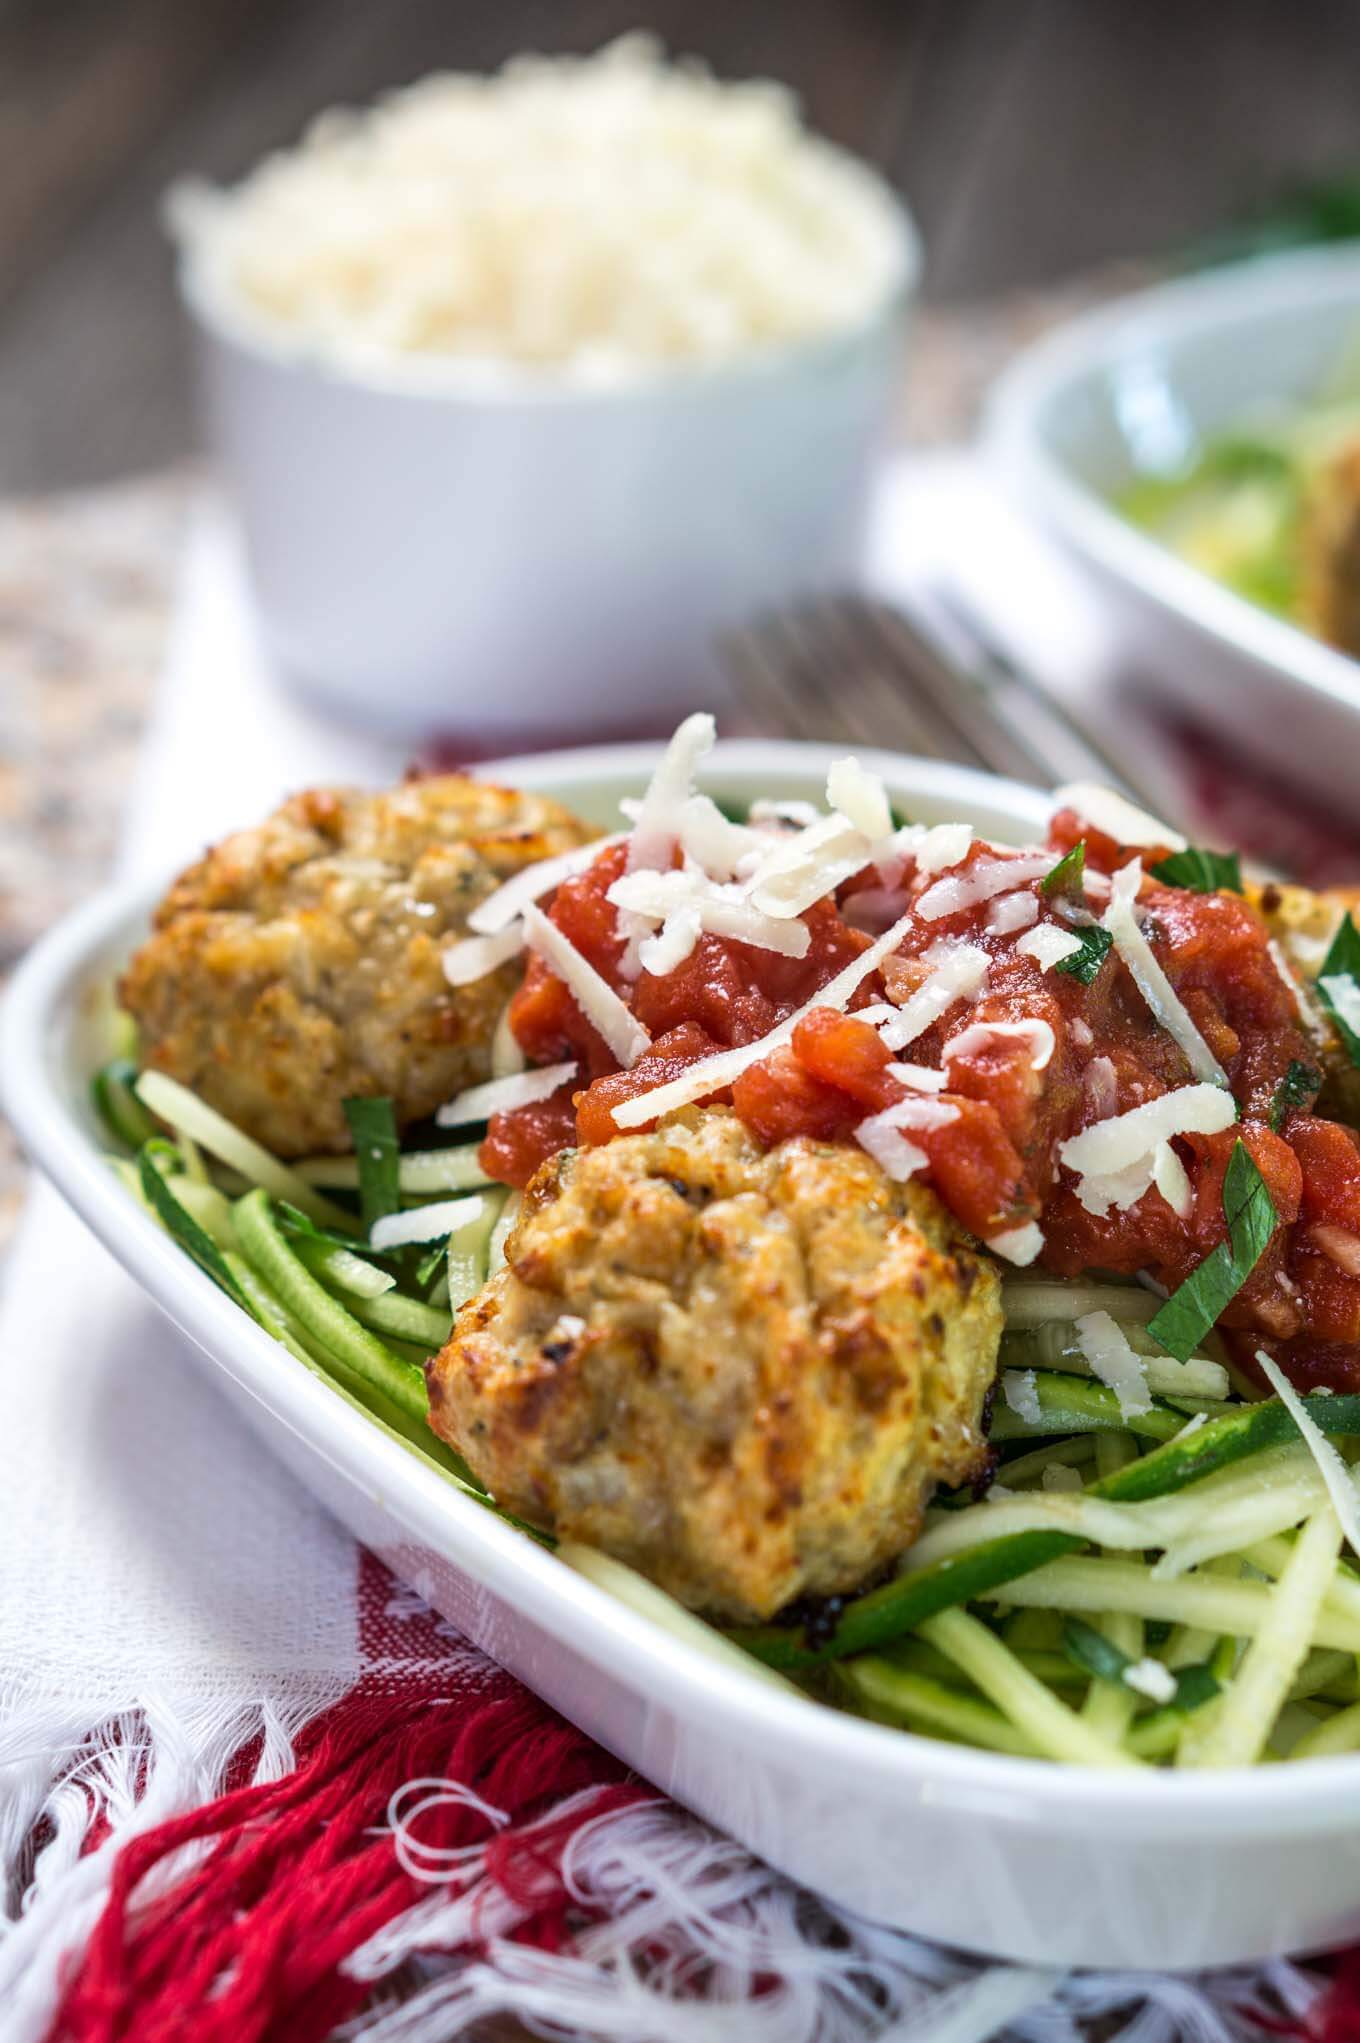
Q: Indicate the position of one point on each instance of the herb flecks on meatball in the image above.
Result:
(742, 1371)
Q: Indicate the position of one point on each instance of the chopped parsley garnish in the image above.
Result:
(1067, 875)
(373, 1127)
(1295, 1089)
(1339, 986)
(181, 1225)
(1195, 1305)
(1203, 872)
(1085, 963)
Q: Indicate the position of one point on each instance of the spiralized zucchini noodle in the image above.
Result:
(1158, 1587)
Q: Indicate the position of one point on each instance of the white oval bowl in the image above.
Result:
(1020, 1859)
(1091, 407)
(432, 548)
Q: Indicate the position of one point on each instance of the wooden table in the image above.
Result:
(1033, 138)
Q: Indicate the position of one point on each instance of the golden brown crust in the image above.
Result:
(741, 1371)
(299, 963)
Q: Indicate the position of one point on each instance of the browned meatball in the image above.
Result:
(299, 963)
(741, 1371)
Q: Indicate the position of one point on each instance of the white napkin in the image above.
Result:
(167, 1591)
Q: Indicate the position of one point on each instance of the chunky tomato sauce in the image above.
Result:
(994, 1161)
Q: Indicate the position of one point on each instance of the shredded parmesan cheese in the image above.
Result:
(919, 1076)
(1116, 1160)
(1114, 1362)
(1048, 945)
(424, 1223)
(668, 950)
(1021, 1393)
(1151, 1678)
(476, 957)
(531, 883)
(722, 910)
(799, 870)
(711, 1074)
(943, 845)
(1019, 1245)
(888, 1146)
(597, 1000)
(503, 1095)
(715, 844)
(1116, 817)
(1010, 912)
(585, 219)
(982, 882)
(978, 1034)
(661, 813)
(1147, 975)
(960, 972)
(861, 798)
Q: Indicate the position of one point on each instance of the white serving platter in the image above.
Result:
(1136, 388)
(1016, 1858)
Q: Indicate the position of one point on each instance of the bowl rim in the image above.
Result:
(1315, 1796)
(483, 382)
(1013, 440)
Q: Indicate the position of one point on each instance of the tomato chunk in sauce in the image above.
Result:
(1030, 1058)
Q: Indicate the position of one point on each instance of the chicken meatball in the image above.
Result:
(299, 963)
(742, 1371)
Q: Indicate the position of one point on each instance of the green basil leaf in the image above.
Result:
(1339, 986)
(183, 1228)
(1067, 875)
(1203, 872)
(373, 1127)
(1196, 1305)
(1295, 1089)
(1085, 963)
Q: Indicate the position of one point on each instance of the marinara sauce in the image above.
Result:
(994, 1160)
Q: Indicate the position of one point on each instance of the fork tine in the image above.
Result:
(887, 712)
(811, 672)
(955, 696)
(756, 664)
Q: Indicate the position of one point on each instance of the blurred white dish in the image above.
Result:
(440, 548)
(1048, 1864)
(1136, 388)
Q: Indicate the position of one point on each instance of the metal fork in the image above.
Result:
(851, 669)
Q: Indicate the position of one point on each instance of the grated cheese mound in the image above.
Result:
(589, 217)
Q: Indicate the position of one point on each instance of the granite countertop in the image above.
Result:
(86, 585)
